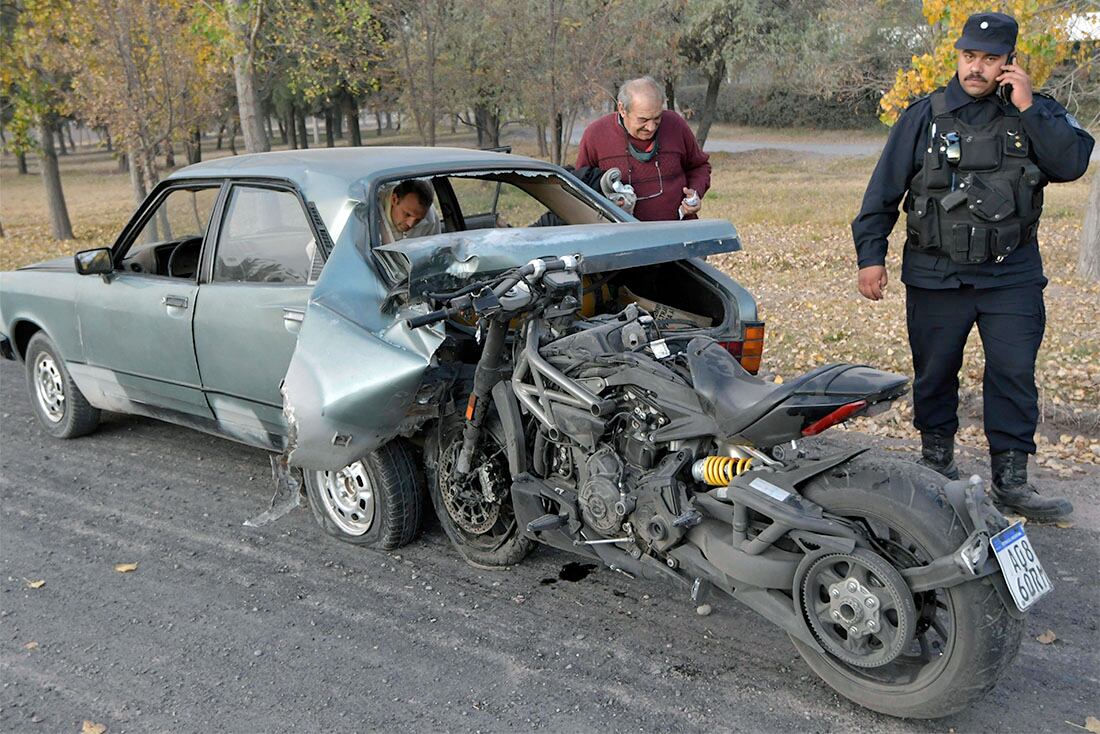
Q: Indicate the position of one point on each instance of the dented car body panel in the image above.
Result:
(334, 372)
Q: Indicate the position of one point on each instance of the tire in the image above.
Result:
(376, 502)
(60, 407)
(904, 505)
(498, 546)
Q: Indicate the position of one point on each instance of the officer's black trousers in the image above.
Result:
(1010, 321)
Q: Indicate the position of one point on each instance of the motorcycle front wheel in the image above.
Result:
(476, 510)
(961, 640)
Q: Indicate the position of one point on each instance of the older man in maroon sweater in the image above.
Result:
(655, 150)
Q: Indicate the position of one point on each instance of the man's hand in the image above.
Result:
(1021, 85)
(872, 281)
(685, 210)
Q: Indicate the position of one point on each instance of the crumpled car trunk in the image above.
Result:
(355, 379)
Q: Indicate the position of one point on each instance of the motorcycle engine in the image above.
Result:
(601, 497)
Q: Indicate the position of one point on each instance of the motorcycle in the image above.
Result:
(650, 449)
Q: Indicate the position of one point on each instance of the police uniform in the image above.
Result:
(970, 174)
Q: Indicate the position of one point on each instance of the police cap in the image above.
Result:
(993, 33)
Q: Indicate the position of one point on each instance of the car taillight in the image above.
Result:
(749, 351)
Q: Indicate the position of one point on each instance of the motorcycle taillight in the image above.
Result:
(749, 350)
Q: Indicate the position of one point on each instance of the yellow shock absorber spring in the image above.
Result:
(718, 471)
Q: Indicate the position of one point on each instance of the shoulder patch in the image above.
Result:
(1073, 121)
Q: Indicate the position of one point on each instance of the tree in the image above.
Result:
(1088, 260)
(417, 29)
(245, 18)
(1043, 43)
(146, 68)
(34, 83)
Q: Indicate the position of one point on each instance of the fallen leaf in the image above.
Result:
(125, 567)
(1064, 524)
(1092, 724)
(1013, 519)
(32, 645)
(90, 727)
(778, 380)
(1047, 637)
(35, 584)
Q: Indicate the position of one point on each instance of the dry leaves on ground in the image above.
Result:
(35, 584)
(125, 567)
(1047, 638)
(32, 645)
(90, 727)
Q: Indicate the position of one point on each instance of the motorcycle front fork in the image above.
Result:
(486, 375)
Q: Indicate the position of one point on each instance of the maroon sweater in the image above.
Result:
(682, 162)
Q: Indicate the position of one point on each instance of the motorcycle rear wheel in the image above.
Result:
(965, 637)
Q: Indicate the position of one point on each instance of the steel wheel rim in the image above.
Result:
(348, 497)
(49, 387)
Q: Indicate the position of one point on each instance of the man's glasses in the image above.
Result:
(660, 181)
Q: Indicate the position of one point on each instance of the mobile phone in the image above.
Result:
(1005, 90)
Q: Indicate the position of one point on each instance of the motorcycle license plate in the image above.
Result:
(1023, 573)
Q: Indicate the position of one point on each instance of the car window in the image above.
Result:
(264, 238)
(181, 215)
(518, 200)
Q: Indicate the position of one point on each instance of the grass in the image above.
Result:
(793, 213)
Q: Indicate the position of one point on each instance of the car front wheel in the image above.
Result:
(58, 403)
(375, 502)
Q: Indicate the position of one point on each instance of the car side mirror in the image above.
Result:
(94, 262)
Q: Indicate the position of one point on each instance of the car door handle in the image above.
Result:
(292, 319)
(175, 301)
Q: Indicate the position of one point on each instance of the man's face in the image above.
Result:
(406, 212)
(978, 71)
(643, 118)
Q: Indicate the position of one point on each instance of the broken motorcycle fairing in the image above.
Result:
(354, 377)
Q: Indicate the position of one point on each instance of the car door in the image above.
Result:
(251, 305)
(135, 324)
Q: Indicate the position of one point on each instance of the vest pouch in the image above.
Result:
(937, 172)
(1006, 239)
(958, 248)
(980, 238)
(1029, 194)
(980, 153)
(1015, 144)
(922, 231)
(990, 201)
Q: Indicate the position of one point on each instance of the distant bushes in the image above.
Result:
(771, 105)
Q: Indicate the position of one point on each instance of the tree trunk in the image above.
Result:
(540, 135)
(21, 163)
(221, 132)
(137, 181)
(1088, 262)
(670, 94)
(267, 127)
(60, 140)
(69, 131)
(233, 136)
(292, 128)
(244, 29)
(60, 226)
(330, 136)
(389, 120)
(377, 122)
(706, 117)
(303, 133)
(169, 155)
(194, 146)
(487, 121)
(107, 136)
(123, 163)
(557, 148)
(352, 108)
(337, 122)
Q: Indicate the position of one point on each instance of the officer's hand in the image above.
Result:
(1021, 85)
(872, 281)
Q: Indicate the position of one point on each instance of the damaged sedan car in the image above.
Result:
(588, 385)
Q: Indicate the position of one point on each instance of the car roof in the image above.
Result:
(353, 164)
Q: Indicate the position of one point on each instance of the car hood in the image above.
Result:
(448, 261)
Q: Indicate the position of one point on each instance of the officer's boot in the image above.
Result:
(937, 452)
(1012, 493)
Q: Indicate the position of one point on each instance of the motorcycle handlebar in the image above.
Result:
(457, 305)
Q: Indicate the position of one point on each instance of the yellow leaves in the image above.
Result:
(32, 645)
(1092, 724)
(126, 567)
(90, 727)
(38, 584)
(1047, 638)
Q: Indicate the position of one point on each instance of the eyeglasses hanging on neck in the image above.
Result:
(660, 181)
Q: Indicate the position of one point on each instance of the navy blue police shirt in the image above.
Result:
(1059, 147)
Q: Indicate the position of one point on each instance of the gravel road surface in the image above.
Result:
(232, 629)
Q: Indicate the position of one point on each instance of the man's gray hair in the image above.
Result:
(645, 85)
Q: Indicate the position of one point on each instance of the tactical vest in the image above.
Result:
(978, 196)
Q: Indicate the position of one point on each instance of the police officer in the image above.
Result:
(970, 161)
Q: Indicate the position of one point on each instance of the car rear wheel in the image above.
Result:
(375, 502)
(58, 404)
